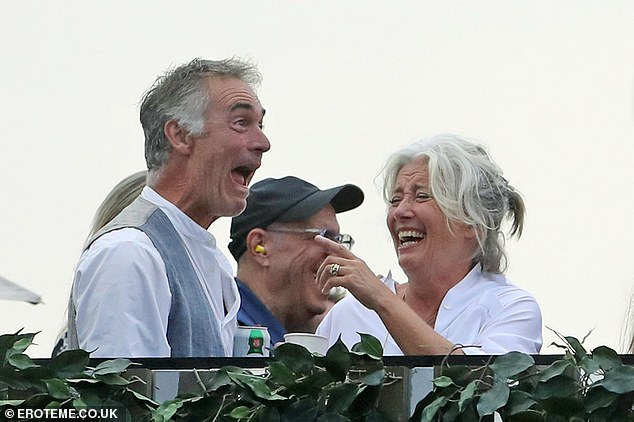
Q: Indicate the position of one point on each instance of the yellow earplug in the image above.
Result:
(259, 249)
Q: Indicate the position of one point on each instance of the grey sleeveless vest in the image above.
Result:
(192, 329)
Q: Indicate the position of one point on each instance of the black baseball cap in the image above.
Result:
(285, 200)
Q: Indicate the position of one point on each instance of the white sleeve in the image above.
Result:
(122, 297)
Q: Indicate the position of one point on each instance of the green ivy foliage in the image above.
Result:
(297, 386)
(65, 381)
(579, 387)
(341, 386)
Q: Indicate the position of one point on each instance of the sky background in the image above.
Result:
(547, 85)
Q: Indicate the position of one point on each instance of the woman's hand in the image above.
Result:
(413, 335)
(342, 268)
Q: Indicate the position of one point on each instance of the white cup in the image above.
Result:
(313, 342)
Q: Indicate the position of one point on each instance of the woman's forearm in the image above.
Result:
(413, 335)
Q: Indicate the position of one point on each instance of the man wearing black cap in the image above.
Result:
(272, 241)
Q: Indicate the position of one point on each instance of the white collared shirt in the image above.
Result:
(483, 310)
(121, 292)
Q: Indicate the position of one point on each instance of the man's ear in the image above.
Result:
(178, 137)
(257, 249)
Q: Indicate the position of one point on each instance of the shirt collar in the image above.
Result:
(457, 292)
(184, 225)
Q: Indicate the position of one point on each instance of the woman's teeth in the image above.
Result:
(410, 237)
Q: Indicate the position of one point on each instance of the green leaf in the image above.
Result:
(312, 384)
(22, 361)
(91, 397)
(341, 397)
(443, 381)
(113, 379)
(37, 401)
(12, 403)
(430, 410)
(142, 398)
(114, 366)
(508, 365)
(588, 365)
(555, 369)
(23, 379)
(493, 399)
(57, 388)
(519, 402)
(78, 403)
(281, 374)
(6, 342)
(297, 358)
(598, 397)
(221, 378)
(36, 373)
(337, 361)
(369, 345)
(257, 385)
(22, 344)
(607, 358)
(450, 412)
(166, 410)
(463, 375)
(559, 386)
(240, 412)
(366, 400)
(467, 394)
(579, 351)
(69, 363)
(620, 380)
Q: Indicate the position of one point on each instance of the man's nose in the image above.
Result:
(261, 142)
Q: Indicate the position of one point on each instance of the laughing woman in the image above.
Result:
(446, 201)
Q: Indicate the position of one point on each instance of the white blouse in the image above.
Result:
(483, 310)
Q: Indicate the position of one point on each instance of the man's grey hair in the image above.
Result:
(181, 95)
(468, 187)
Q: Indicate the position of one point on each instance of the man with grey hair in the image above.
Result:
(152, 282)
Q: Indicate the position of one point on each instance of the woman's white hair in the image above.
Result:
(469, 187)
